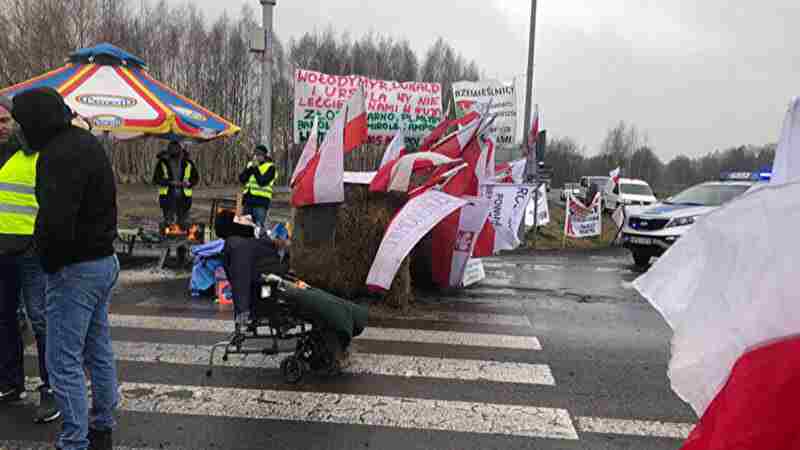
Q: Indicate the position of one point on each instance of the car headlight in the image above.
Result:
(681, 221)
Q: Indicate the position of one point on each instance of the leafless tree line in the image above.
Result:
(210, 62)
(625, 146)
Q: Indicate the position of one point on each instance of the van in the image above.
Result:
(591, 185)
(628, 191)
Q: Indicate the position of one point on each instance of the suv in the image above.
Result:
(648, 232)
(628, 192)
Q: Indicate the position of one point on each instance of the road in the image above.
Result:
(552, 351)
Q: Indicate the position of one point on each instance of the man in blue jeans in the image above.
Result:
(74, 234)
(21, 275)
(257, 180)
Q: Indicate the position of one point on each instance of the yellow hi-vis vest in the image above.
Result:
(18, 206)
(253, 188)
(187, 175)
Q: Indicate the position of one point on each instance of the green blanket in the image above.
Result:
(344, 317)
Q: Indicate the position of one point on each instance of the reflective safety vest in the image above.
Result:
(253, 188)
(187, 175)
(18, 206)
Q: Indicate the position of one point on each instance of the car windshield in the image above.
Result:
(635, 189)
(709, 194)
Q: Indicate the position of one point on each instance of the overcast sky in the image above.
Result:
(695, 75)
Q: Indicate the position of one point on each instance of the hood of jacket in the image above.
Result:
(41, 114)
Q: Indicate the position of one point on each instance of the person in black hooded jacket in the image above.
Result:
(74, 233)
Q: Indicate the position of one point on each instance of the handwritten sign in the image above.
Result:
(391, 105)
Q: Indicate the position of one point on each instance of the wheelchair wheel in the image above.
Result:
(293, 369)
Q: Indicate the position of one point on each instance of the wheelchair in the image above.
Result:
(277, 317)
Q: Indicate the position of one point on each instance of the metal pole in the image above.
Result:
(266, 74)
(535, 213)
(529, 166)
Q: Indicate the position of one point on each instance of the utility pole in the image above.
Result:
(530, 160)
(267, 7)
(530, 165)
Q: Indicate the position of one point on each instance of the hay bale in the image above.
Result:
(333, 247)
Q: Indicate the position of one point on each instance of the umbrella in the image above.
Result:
(111, 89)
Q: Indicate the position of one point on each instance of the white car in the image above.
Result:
(649, 231)
(626, 192)
(573, 189)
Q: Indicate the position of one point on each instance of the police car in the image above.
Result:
(648, 232)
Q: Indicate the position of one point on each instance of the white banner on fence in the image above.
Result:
(411, 224)
(583, 221)
(505, 102)
(413, 106)
(543, 211)
(508, 202)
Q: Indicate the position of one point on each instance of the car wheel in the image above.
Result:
(641, 258)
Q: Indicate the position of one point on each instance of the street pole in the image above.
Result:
(530, 165)
(267, 7)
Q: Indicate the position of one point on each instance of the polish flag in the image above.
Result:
(512, 172)
(309, 151)
(728, 290)
(396, 176)
(435, 135)
(355, 132)
(614, 174)
(396, 148)
(323, 179)
(534, 134)
(454, 145)
(454, 241)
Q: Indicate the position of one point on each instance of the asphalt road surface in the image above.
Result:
(553, 351)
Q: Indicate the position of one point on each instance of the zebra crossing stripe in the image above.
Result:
(361, 363)
(624, 427)
(372, 410)
(371, 333)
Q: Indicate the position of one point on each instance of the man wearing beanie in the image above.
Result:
(74, 234)
(258, 178)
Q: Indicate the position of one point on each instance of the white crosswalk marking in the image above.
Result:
(490, 359)
(350, 409)
(375, 334)
(369, 364)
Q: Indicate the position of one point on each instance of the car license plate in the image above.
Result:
(640, 240)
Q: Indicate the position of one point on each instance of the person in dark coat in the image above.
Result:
(74, 237)
(175, 175)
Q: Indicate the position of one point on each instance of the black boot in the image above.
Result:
(100, 440)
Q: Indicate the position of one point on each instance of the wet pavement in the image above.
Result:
(552, 351)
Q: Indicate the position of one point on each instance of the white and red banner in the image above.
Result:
(542, 211)
(454, 242)
(728, 290)
(411, 224)
(583, 221)
(322, 181)
(390, 105)
(505, 99)
(396, 175)
(507, 210)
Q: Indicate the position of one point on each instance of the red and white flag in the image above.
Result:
(534, 134)
(728, 290)
(309, 150)
(454, 241)
(396, 148)
(614, 174)
(396, 176)
(408, 227)
(323, 179)
(512, 172)
(355, 132)
(454, 145)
